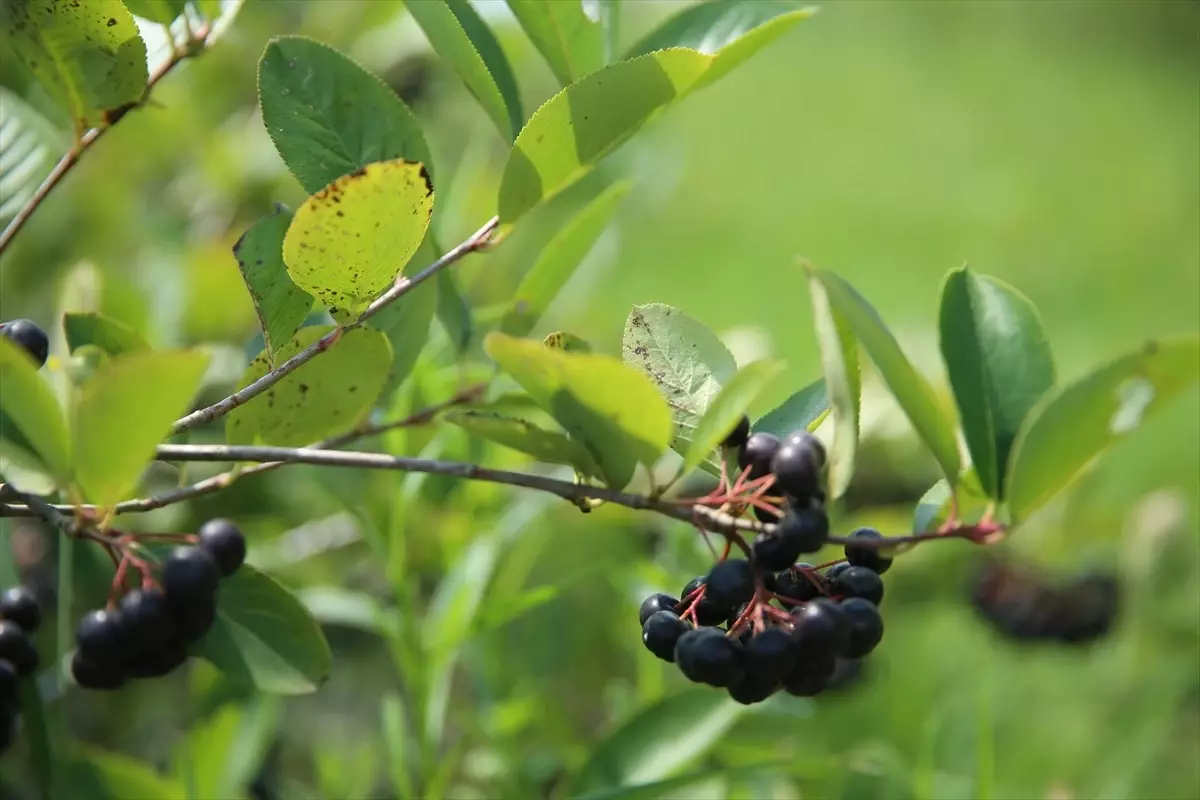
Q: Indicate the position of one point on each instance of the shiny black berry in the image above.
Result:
(654, 603)
(757, 453)
(29, 336)
(868, 557)
(811, 674)
(159, 661)
(821, 626)
(730, 583)
(797, 465)
(20, 606)
(99, 637)
(146, 618)
(798, 584)
(192, 621)
(225, 543)
(708, 612)
(770, 655)
(776, 551)
(809, 527)
(17, 649)
(738, 436)
(837, 569)
(749, 689)
(707, 655)
(866, 627)
(858, 582)
(802, 438)
(661, 631)
(96, 675)
(190, 575)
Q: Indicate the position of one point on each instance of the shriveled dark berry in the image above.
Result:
(738, 436)
(707, 655)
(707, 612)
(190, 575)
(797, 584)
(749, 689)
(99, 636)
(29, 336)
(868, 557)
(730, 582)
(770, 655)
(225, 543)
(859, 582)
(796, 465)
(17, 649)
(20, 606)
(757, 453)
(811, 674)
(654, 603)
(821, 626)
(94, 675)
(866, 627)
(193, 621)
(808, 527)
(146, 618)
(661, 631)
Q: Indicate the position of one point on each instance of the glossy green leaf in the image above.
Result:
(551, 447)
(325, 397)
(314, 101)
(281, 305)
(727, 407)
(587, 120)
(123, 412)
(559, 259)
(843, 382)
(30, 417)
(658, 741)
(561, 340)
(87, 54)
(453, 311)
(806, 409)
(99, 775)
(163, 12)
(929, 417)
(461, 37)
(932, 508)
(350, 240)
(684, 359)
(1076, 423)
(571, 43)
(29, 147)
(999, 363)
(611, 409)
(110, 335)
(264, 637)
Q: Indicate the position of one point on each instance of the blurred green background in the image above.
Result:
(1055, 145)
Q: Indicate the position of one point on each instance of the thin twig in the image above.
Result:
(402, 287)
(77, 151)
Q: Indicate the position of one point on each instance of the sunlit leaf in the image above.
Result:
(804, 409)
(281, 304)
(109, 335)
(727, 407)
(29, 146)
(160, 11)
(843, 382)
(551, 447)
(30, 417)
(97, 774)
(571, 43)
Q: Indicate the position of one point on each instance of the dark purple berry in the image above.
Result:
(707, 655)
(95, 675)
(99, 637)
(20, 606)
(708, 612)
(194, 620)
(821, 626)
(810, 675)
(29, 336)
(17, 649)
(190, 575)
(146, 618)
(749, 689)
(868, 557)
(757, 453)
(775, 551)
(802, 438)
(859, 582)
(738, 436)
(808, 527)
(796, 465)
(161, 660)
(837, 569)
(865, 624)
(655, 603)
(225, 543)
(770, 655)
(661, 631)
(730, 583)
(797, 584)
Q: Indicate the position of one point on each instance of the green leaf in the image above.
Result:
(110, 335)
(163, 12)
(551, 447)
(558, 260)
(999, 363)
(333, 605)
(30, 416)
(281, 305)
(461, 37)
(396, 740)
(123, 412)
(572, 44)
(561, 340)
(264, 637)
(843, 381)
(684, 359)
(225, 751)
(609, 13)
(453, 311)
(350, 240)
(1076, 423)
(804, 409)
(313, 102)
(29, 146)
(88, 54)
(658, 741)
(615, 412)
(325, 397)
(932, 508)
(577, 127)
(406, 323)
(99, 775)
(680, 786)
(916, 397)
(729, 405)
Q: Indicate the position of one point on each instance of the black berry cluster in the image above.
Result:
(20, 616)
(1026, 606)
(147, 633)
(29, 336)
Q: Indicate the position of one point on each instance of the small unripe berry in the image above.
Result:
(757, 453)
(225, 543)
(859, 582)
(661, 631)
(29, 336)
(730, 583)
(868, 557)
(866, 627)
(17, 649)
(20, 606)
(654, 603)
